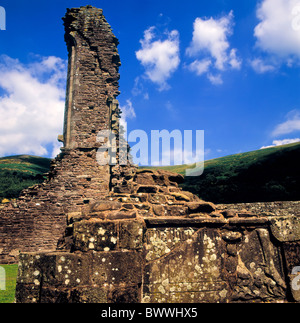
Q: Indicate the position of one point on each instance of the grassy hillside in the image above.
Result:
(263, 175)
(271, 174)
(19, 172)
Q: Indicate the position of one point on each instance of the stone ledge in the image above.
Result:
(200, 221)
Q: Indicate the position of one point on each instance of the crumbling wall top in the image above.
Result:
(93, 75)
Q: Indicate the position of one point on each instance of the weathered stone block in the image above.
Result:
(90, 294)
(117, 267)
(131, 235)
(292, 260)
(54, 295)
(161, 241)
(121, 215)
(294, 282)
(27, 293)
(66, 269)
(95, 235)
(176, 210)
(180, 196)
(172, 177)
(122, 189)
(159, 210)
(157, 198)
(29, 271)
(53, 268)
(229, 213)
(129, 294)
(259, 269)
(105, 206)
(190, 273)
(145, 179)
(45, 277)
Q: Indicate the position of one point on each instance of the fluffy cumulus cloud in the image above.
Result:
(160, 57)
(210, 48)
(31, 105)
(282, 142)
(278, 31)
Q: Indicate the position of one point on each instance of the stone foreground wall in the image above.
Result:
(236, 259)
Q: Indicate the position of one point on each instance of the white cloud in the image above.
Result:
(200, 67)
(277, 31)
(56, 148)
(160, 58)
(210, 40)
(292, 124)
(177, 156)
(211, 35)
(138, 88)
(32, 105)
(127, 112)
(215, 79)
(234, 61)
(203, 67)
(260, 67)
(282, 142)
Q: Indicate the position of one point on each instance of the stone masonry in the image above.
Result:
(38, 218)
(134, 235)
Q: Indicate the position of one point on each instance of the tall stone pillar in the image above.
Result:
(92, 76)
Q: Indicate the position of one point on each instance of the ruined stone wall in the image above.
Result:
(167, 260)
(92, 76)
(37, 220)
(157, 243)
(134, 235)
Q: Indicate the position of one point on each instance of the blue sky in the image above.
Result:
(228, 67)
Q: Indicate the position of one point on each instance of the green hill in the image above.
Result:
(271, 174)
(19, 172)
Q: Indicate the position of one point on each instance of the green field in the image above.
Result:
(8, 295)
(19, 172)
